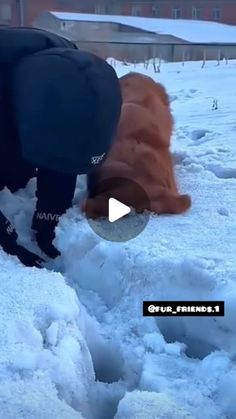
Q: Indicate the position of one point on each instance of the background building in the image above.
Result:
(26, 11)
(135, 38)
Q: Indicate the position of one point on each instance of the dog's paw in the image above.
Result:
(96, 207)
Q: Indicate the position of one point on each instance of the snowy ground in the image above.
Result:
(87, 352)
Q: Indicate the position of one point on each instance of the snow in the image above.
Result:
(145, 403)
(186, 29)
(45, 366)
(74, 343)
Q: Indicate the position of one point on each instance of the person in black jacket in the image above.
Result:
(59, 110)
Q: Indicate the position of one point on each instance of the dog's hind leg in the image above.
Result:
(167, 203)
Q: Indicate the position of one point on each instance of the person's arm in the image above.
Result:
(55, 192)
(8, 241)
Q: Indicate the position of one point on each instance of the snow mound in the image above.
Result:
(45, 366)
(32, 398)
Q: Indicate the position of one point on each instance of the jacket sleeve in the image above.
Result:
(55, 192)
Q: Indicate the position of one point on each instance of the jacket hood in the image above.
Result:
(67, 105)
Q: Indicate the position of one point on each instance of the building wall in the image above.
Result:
(165, 9)
(31, 9)
(48, 22)
(219, 10)
(77, 30)
(168, 53)
(34, 8)
(7, 12)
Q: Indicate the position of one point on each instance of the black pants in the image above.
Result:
(92, 183)
(17, 176)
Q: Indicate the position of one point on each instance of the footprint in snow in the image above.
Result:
(222, 172)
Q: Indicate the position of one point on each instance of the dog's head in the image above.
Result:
(143, 90)
(146, 113)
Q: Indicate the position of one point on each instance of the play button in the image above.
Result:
(117, 210)
(113, 201)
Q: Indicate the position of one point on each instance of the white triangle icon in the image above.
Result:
(117, 210)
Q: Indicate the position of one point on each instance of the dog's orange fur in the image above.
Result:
(140, 153)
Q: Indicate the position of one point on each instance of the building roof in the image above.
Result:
(189, 30)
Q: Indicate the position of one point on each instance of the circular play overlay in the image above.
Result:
(113, 204)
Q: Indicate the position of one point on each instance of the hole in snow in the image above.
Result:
(106, 398)
(222, 172)
(197, 348)
(172, 332)
(107, 371)
(107, 361)
(198, 134)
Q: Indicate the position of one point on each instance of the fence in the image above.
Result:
(169, 52)
(122, 48)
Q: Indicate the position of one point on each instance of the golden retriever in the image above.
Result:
(140, 153)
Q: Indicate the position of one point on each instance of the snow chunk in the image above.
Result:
(144, 404)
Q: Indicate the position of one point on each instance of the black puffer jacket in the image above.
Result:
(59, 109)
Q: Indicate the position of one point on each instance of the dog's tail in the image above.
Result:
(171, 204)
